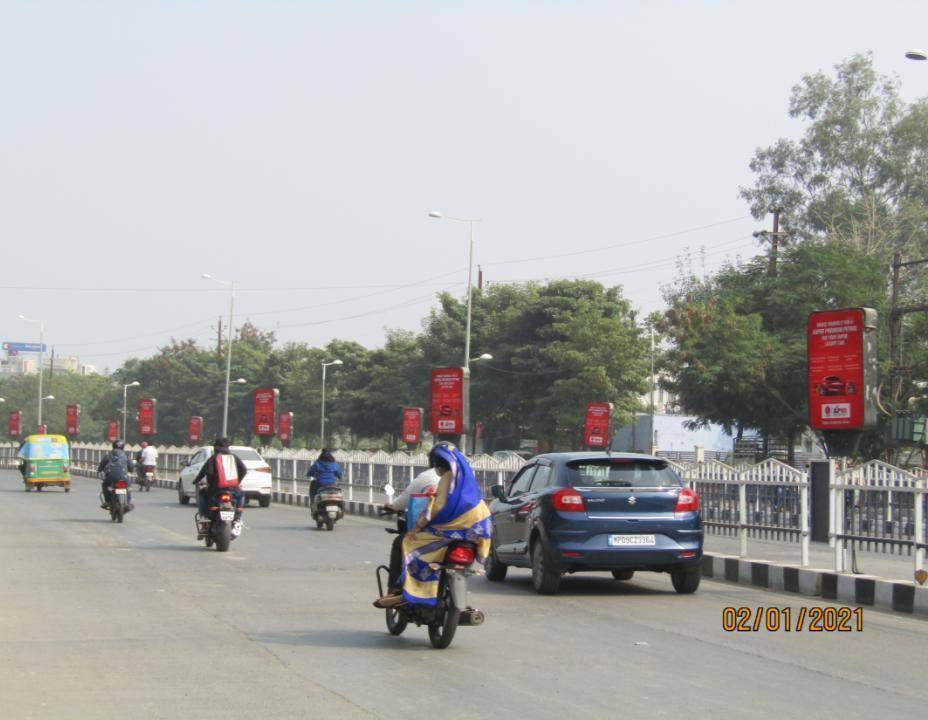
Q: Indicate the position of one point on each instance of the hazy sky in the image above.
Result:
(300, 145)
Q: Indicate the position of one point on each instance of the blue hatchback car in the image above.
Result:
(596, 511)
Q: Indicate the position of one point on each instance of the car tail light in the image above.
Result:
(568, 500)
(120, 483)
(265, 469)
(687, 501)
(461, 554)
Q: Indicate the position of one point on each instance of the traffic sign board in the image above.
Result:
(16, 347)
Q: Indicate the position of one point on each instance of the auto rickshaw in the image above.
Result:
(45, 460)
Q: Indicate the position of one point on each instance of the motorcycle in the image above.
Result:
(328, 506)
(146, 477)
(119, 500)
(223, 524)
(451, 611)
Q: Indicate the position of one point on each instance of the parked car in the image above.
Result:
(256, 484)
(596, 511)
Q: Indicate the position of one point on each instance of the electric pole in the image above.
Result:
(774, 240)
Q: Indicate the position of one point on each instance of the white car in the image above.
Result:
(256, 484)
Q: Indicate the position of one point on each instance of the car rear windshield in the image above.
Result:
(247, 455)
(621, 473)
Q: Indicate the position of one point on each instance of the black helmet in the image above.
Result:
(221, 442)
(119, 444)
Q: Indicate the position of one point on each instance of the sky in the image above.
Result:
(297, 148)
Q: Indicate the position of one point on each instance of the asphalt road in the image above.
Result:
(138, 620)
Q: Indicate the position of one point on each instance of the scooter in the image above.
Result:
(223, 523)
(119, 500)
(451, 611)
(328, 506)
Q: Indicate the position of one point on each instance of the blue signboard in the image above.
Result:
(15, 347)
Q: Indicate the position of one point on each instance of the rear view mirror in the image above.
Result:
(498, 491)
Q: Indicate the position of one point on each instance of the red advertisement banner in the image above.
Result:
(264, 409)
(14, 426)
(285, 427)
(835, 345)
(42, 429)
(412, 425)
(195, 429)
(447, 409)
(147, 426)
(112, 431)
(72, 419)
(598, 421)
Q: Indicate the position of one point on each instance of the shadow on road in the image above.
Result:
(364, 639)
(570, 587)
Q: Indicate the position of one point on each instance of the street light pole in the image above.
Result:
(322, 418)
(225, 402)
(465, 381)
(125, 410)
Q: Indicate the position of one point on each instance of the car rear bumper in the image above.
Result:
(595, 553)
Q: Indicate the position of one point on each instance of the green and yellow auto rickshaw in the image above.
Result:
(45, 460)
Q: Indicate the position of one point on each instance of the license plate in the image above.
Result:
(226, 515)
(120, 491)
(333, 512)
(631, 540)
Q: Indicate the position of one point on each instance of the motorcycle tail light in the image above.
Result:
(225, 497)
(461, 554)
(120, 483)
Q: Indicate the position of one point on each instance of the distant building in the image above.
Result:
(27, 364)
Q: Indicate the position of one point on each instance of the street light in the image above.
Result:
(322, 423)
(917, 54)
(467, 359)
(225, 404)
(125, 393)
(485, 356)
(240, 381)
(41, 325)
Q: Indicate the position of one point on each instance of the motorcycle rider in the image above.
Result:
(115, 466)
(149, 459)
(424, 483)
(324, 472)
(210, 473)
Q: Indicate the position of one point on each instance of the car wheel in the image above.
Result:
(685, 580)
(495, 570)
(545, 577)
(264, 501)
(182, 497)
(623, 574)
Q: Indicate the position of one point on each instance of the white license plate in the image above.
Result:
(631, 540)
(226, 515)
(333, 512)
(120, 491)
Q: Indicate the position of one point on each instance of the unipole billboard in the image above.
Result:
(72, 419)
(195, 429)
(842, 369)
(447, 405)
(412, 425)
(264, 411)
(147, 417)
(285, 427)
(597, 428)
(14, 427)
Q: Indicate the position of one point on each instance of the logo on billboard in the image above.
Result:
(836, 410)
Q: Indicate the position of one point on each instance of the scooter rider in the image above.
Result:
(115, 466)
(210, 473)
(149, 459)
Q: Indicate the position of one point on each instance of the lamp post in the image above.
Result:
(467, 358)
(41, 325)
(225, 404)
(322, 421)
(125, 394)
(916, 54)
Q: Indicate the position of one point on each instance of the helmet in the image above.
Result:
(221, 442)
(119, 444)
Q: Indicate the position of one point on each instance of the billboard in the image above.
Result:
(112, 431)
(264, 411)
(14, 348)
(285, 427)
(447, 409)
(842, 369)
(147, 417)
(195, 429)
(597, 426)
(412, 425)
(72, 422)
(14, 427)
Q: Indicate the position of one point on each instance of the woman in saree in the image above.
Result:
(457, 512)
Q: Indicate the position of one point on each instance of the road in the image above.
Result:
(110, 621)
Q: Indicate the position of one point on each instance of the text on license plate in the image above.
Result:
(226, 515)
(631, 540)
(120, 491)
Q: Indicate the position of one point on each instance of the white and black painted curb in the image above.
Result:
(865, 590)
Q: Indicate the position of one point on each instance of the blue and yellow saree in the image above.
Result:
(456, 513)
